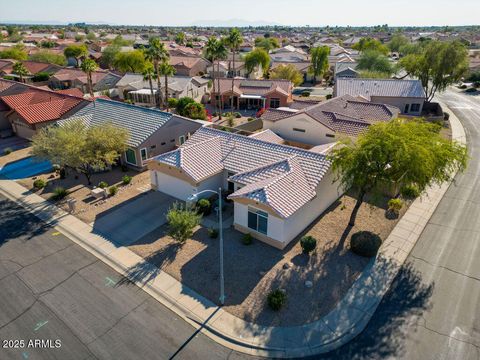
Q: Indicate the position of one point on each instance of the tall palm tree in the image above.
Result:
(233, 40)
(150, 75)
(20, 70)
(210, 53)
(88, 67)
(156, 53)
(166, 70)
(221, 53)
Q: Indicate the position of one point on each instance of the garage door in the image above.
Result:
(172, 186)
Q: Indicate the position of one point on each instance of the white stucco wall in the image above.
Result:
(400, 102)
(315, 133)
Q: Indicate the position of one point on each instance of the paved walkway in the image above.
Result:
(342, 324)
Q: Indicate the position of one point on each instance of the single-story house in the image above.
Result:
(277, 190)
(226, 70)
(33, 67)
(189, 65)
(407, 95)
(152, 132)
(289, 54)
(346, 69)
(253, 94)
(133, 87)
(25, 109)
(75, 78)
(325, 122)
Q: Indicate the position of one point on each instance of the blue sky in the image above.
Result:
(286, 12)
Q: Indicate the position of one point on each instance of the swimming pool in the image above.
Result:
(24, 168)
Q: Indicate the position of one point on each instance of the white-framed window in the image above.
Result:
(258, 220)
(181, 139)
(131, 157)
(143, 154)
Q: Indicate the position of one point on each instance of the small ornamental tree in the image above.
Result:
(400, 153)
(182, 222)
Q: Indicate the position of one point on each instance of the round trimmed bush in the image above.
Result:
(395, 205)
(204, 207)
(409, 192)
(305, 94)
(39, 184)
(276, 299)
(102, 185)
(247, 239)
(126, 179)
(308, 244)
(112, 190)
(365, 243)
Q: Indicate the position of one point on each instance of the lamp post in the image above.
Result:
(193, 198)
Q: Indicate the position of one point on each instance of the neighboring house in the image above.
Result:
(226, 70)
(407, 95)
(152, 132)
(74, 78)
(289, 54)
(33, 67)
(325, 122)
(277, 190)
(253, 94)
(189, 65)
(27, 108)
(133, 87)
(346, 70)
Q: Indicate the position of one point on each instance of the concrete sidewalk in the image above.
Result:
(342, 324)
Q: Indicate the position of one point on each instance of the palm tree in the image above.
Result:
(150, 75)
(210, 53)
(234, 40)
(88, 67)
(221, 53)
(156, 53)
(20, 70)
(166, 70)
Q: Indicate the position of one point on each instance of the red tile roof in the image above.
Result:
(73, 92)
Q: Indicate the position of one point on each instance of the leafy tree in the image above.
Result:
(400, 153)
(76, 51)
(149, 75)
(108, 56)
(188, 107)
(91, 36)
(16, 52)
(180, 38)
(156, 53)
(120, 41)
(375, 61)
(437, 65)
(287, 72)
(88, 67)
(182, 222)
(233, 41)
(166, 70)
(397, 42)
(20, 70)
(130, 61)
(79, 38)
(78, 146)
(319, 61)
(367, 74)
(47, 44)
(267, 43)
(257, 57)
(368, 43)
(50, 57)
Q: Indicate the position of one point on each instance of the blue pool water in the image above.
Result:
(24, 168)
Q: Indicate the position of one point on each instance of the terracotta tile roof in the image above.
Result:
(184, 61)
(73, 92)
(346, 114)
(280, 176)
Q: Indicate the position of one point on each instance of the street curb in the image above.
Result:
(348, 319)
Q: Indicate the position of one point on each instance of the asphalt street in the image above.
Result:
(53, 290)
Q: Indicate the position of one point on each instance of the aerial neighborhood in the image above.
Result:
(259, 180)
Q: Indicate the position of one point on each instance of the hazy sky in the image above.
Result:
(286, 12)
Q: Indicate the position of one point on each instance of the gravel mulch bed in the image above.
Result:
(251, 272)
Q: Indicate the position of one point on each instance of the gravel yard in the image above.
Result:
(252, 271)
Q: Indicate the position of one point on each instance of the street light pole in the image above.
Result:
(222, 280)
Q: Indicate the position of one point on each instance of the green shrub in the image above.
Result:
(365, 243)
(102, 185)
(409, 192)
(181, 222)
(204, 206)
(112, 190)
(247, 239)
(126, 179)
(308, 244)
(276, 299)
(305, 94)
(39, 184)
(212, 233)
(172, 103)
(238, 115)
(7, 151)
(395, 205)
(59, 193)
(250, 119)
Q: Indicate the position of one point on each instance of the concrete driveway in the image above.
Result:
(128, 222)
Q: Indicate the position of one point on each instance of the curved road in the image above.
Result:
(432, 310)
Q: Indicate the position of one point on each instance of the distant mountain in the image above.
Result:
(234, 22)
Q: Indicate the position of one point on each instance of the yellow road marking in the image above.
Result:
(56, 233)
